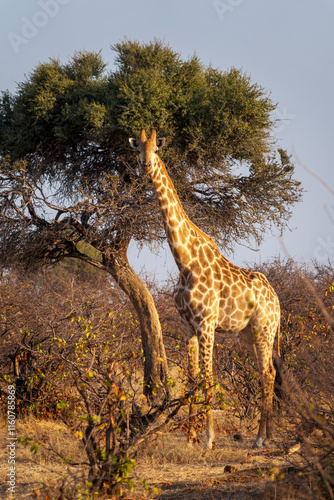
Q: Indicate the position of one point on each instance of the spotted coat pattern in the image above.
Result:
(214, 295)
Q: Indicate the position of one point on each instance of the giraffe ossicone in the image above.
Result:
(214, 295)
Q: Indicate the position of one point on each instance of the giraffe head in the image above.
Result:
(147, 147)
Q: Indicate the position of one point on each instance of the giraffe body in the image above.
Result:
(214, 295)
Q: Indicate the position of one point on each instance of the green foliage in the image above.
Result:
(57, 103)
(194, 105)
(27, 441)
(72, 121)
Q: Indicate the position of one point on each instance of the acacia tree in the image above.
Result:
(70, 185)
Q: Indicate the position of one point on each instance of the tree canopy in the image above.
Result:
(70, 122)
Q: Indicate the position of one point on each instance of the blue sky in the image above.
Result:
(287, 47)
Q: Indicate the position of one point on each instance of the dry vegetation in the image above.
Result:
(71, 345)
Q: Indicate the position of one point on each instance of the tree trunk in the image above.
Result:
(155, 362)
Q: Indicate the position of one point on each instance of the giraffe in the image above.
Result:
(212, 294)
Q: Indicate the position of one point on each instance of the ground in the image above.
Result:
(233, 470)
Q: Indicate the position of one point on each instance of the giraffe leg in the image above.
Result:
(271, 382)
(267, 375)
(209, 417)
(206, 352)
(261, 352)
(193, 368)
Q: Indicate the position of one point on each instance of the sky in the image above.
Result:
(287, 47)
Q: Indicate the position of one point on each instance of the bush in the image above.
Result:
(72, 348)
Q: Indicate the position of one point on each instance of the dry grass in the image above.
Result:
(232, 471)
(44, 468)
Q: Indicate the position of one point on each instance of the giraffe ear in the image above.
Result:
(161, 142)
(133, 143)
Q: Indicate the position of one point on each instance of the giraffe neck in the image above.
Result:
(180, 231)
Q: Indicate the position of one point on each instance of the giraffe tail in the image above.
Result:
(278, 364)
(277, 355)
(278, 333)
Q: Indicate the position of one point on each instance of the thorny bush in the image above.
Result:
(42, 318)
(72, 348)
(304, 401)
